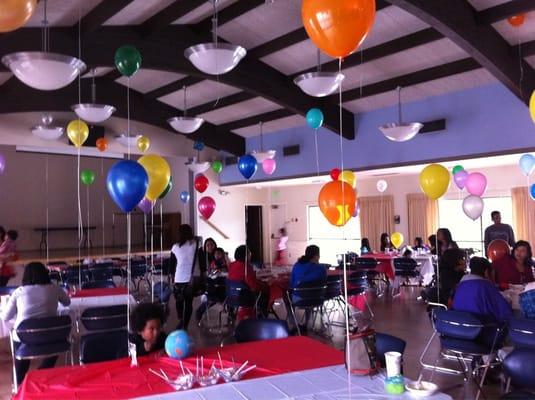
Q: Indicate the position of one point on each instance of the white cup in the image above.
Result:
(393, 363)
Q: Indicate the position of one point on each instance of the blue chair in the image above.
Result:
(109, 337)
(385, 343)
(98, 285)
(406, 268)
(239, 295)
(71, 276)
(527, 303)
(138, 273)
(215, 294)
(309, 296)
(101, 272)
(162, 292)
(250, 330)
(7, 290)
(369, 265)
(465, 336)
(522, 332)
(41, 338)
(519, 368)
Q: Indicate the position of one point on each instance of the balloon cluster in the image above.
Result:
(248, 165)
(475, 184)
(338, 199)
(527, 165)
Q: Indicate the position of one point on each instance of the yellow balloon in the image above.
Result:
(532, 106)
(396, 239)
(143, 143)
(159, 174)
(434, 181)
(348, 177)
(78, 132)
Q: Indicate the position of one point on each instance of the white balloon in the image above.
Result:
(473, 207)
(381, 185)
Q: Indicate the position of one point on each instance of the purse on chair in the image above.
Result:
(361, 354)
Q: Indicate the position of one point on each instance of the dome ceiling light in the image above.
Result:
(319, 83)
(262, 155)
(93, 112)
(400, 131)
(46, 131)
(185, 124)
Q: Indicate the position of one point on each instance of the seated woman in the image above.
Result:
(241, 270)
(419, 244)
(365, 246)
(147, 321)
(36, 298)
(219, 265)
(432, 240)
(517, 268)
(215, 282)
(478, 295)
(8, 254)
(451, 270)
(385, 242)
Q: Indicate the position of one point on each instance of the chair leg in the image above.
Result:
(15, 385)
(293, 314)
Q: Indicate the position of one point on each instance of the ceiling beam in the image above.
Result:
(255, 119)
(169, 15)
(526, 49)
(100, 14)
(456, 20)
(411, 79)
(149, 111)
(504, 11)
(173, 87)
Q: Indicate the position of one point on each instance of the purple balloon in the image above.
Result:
(2, 164)
(146, 205)
(476, 184)
(460, 179)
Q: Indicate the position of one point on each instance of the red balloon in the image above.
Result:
(498, 248)
(337, 201)
(201, 183)
(102, 144)
(206, 206)
(335, 173)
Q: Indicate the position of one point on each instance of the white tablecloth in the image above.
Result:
(426, 268)
(316, 384)
(75, 309)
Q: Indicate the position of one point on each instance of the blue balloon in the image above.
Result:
(532, 191)
(184, 196)
(314, 118)
(127, 184)
(527, 164)
(199, 146)
(178, 344)
(247, 165)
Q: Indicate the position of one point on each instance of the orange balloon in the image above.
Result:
(102, 144)
(338, 27)
(498, 248)
(517, 20)
(15, 13)
(337, 201)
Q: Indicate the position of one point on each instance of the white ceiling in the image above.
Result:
(202, 12)
(146, 80)
(199, 93)
(62, 12)
(245, 109)
(138, 12)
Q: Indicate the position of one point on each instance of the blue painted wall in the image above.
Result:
(482, 120)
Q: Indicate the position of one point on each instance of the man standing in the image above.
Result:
(498, 231)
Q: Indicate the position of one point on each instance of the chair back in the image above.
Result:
(101, 272)
(457, 324)
(250, 330)
(366, 263)
(71, 275)
(239, 294)
(105, 318)
(103, 346)
(385, 343)
(404, 265)
(522, 332)
(334, 287)
(164, 267)
(309, 294)
(216, 289)
(518, 365)
(46, 330)
(7, 290)
(138, 268)
(98, 284)
(357, 283)
(163, 292)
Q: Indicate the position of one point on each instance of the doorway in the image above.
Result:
(254, 229)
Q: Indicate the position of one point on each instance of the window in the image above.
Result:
(468, 233)
(332, 240)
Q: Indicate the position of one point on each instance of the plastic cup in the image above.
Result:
(393, 363)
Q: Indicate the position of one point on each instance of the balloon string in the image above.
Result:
(103, 226)
(317, 152)
(128, 268)
(128, 114)
(46, 200)
(269, 229)
(161, 248)
(87, 239)
(80, 227)
(152, 244)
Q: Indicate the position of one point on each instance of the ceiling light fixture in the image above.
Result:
(126, 140)
(44, 70)
(262, 155)
(46, 130)
(215, 58)
(319, 84)
(197, 167)
(93, 112)
(400, 131)
(185, 124)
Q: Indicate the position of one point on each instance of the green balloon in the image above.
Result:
(217, 166)
(166, 190)
(127, 60)
(457, 168)
(87, 177)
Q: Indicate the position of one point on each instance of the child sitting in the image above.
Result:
(147, 320)
(220, 263)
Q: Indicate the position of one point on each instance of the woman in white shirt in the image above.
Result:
(187, 270)
(36, 298)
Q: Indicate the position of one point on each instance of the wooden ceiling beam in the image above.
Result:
(255, 119)
(504, 11)
(100, 14)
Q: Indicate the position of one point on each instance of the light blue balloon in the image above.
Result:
(532, 192)
(314, 118)
(178, 344)
(527, 164)
(184, 196)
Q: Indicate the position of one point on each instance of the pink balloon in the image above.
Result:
(476, 184)
(460, 179)
(206, 206)
(146, 205)
(269, 165)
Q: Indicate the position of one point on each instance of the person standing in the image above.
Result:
(282, 248)
(498, 231)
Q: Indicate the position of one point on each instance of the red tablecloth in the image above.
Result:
(385, 266)
(99, 292)
(117, 380)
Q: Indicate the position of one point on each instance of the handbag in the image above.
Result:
(361, 353)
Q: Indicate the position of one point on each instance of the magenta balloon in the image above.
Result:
(269, 165)
(460, 179)
(476, 184)
(206, 206)
(146, 205)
